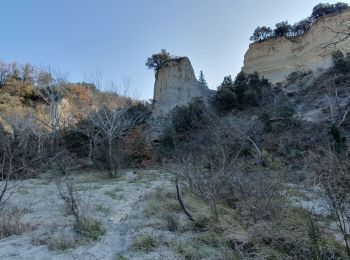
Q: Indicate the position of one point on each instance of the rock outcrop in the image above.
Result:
(276, 58)
(176, 85)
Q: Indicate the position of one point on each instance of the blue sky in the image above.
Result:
(117, 36)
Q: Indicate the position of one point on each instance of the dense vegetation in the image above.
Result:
(239, 153)
(284, 29)
(246, 91)
(43, 116)
(242, 162)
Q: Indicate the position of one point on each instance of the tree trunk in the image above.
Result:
(90, 150)
(110, 155)
(179, 198)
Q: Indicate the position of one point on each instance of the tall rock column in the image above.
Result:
(176, 85)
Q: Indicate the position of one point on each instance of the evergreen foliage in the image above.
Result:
(157, 60)
(202, 79)
(246, 91)
(284, 29)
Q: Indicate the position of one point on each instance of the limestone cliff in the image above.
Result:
(176, 84)
(278, 57)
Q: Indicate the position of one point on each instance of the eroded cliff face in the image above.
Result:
(176, 85)
(276, 58)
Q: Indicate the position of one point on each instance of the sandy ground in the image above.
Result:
(122, 205)
(118, 204)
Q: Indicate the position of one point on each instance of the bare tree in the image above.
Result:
(111, 124)
(67, 194)
(86, 128)
(112, 117)
(128, 90)
(78, 206)
(52, 83)
(15, 160)
(332, 175)
(4, 73)
(6, 172)
(337, 114)
(211, 168)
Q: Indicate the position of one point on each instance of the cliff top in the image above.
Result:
(278, 57)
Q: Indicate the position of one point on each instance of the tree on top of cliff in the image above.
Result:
(301, 27)
(202, 79)
(324, 9)
(261, 34)
(157, 60)
(282, 29)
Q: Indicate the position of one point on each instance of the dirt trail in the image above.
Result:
(116, 203)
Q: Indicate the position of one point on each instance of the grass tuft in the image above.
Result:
(61, 244)
(90, 229)
(145, 243)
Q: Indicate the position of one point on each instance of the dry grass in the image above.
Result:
(10, 221)
(91, 229)
(144, 243)
(204, 237)
(61, 243)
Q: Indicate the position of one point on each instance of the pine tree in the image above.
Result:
(202, 79)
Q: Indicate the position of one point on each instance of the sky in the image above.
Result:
(79, 37)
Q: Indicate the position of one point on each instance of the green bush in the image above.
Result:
(295, 76)
(184, 122)
(251, 98)
(189, 117)
(246, 91)
(225, 100)
(91, 229)
(340, 64)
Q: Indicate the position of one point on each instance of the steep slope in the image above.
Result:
(176, 85)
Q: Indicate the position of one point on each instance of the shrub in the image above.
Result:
(184, 122)
(295, 76)
(339, 62)
(189, 117)
(191, 249)
(90, 229)
(265, 118)
(86, 226)
(250, 98)
(167, 139)
(246, 91)
(338, 138)
(224, 100)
